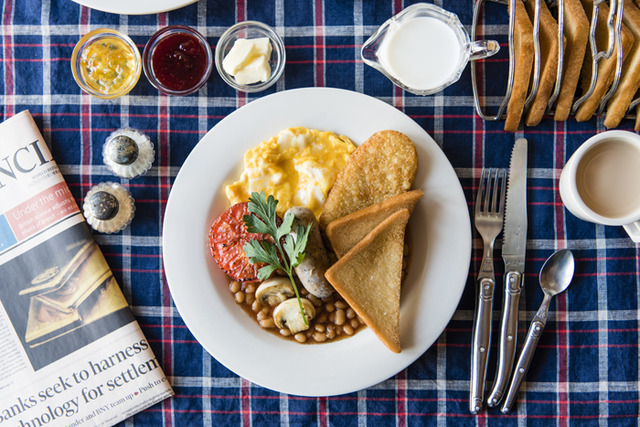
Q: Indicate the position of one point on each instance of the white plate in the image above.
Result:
(440, 239)
(135, 7)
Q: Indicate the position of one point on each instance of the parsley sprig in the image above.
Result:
(287, 252)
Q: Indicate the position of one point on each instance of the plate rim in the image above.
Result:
(123, 7)
(338, 389)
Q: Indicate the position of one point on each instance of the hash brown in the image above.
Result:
(383, 166)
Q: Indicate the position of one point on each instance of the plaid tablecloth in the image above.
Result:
(586, 368)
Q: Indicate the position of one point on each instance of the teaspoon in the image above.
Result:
(555, 277)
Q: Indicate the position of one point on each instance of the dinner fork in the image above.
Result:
(489, 213)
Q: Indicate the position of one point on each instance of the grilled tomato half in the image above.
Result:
(227, 237)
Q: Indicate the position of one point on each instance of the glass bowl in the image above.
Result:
(169, 56)
(88, 69)
(250, 30)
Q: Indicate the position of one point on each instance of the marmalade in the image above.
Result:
(108, 65)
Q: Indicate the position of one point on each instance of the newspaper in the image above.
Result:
(71, 352)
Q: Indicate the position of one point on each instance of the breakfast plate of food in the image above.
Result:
(300, 172)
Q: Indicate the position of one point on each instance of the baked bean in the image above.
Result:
(268, 323)
(331, 333)
(314, 300)
(404, 263)
(335, 319)
(319, 337)
(234, 286)
(239, 297)
(251, 297)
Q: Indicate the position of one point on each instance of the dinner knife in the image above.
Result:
(513, 253)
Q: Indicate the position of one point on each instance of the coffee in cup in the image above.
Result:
(601, 181)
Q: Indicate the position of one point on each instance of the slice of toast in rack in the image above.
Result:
(630, 77)
(606, 67)
(576, 31)
(548, 37)
(523, 52)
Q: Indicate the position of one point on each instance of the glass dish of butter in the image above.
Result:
(250, 56)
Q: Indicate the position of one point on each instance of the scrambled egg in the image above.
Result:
(297, 167)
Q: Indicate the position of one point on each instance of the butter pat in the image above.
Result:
(248, 60)
(238, 56)
(258, 70)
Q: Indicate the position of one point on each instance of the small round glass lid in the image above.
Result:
(108, 207)
(128, 153)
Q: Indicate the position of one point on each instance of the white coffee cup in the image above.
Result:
(600, 183)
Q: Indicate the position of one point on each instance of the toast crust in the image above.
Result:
(368, 277)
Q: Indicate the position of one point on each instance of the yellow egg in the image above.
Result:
(297, 167)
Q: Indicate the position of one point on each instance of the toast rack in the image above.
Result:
(614, 25)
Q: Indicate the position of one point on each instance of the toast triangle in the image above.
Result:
(344, 233)
(368, 278)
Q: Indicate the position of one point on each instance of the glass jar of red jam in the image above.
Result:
(177, 60)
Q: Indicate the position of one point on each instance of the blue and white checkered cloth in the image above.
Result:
(586, 370)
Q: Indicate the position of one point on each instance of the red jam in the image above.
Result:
(179, 61)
